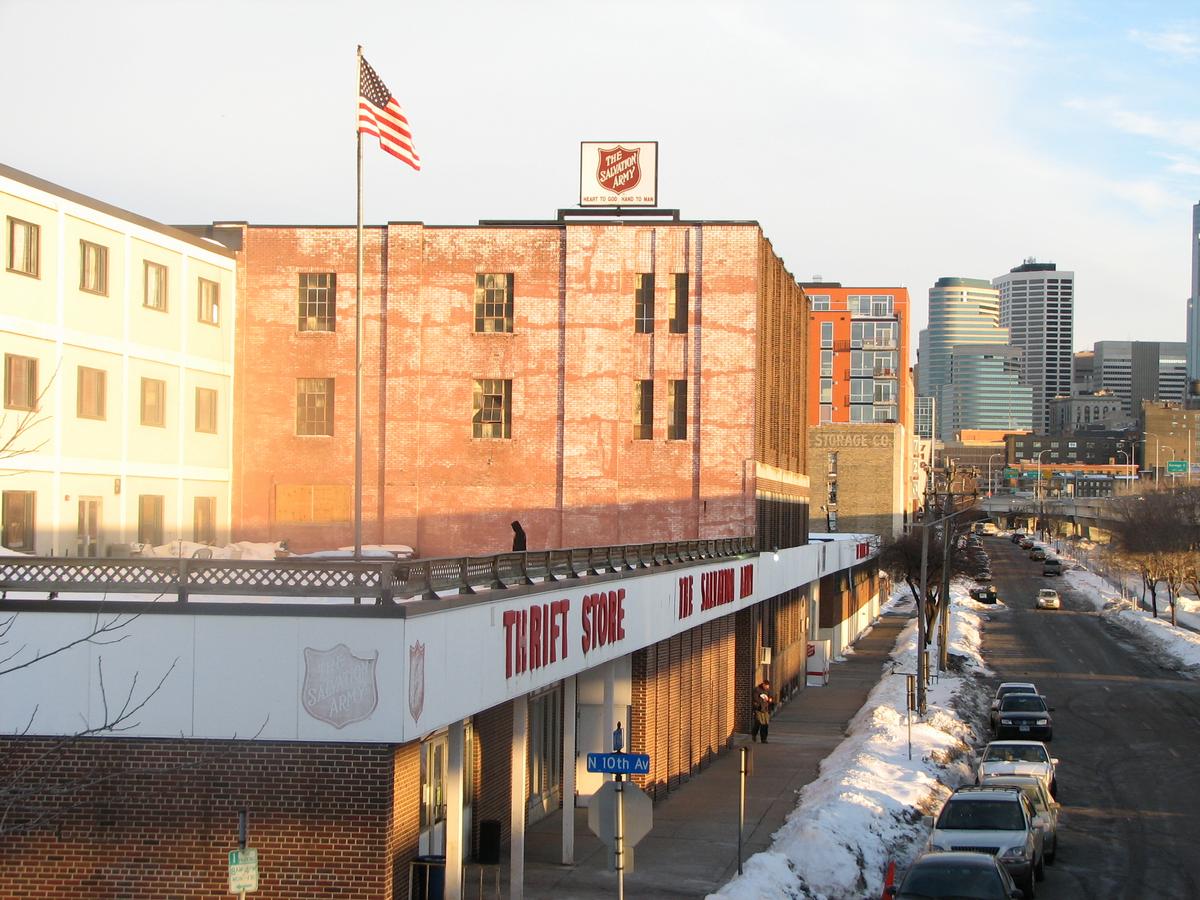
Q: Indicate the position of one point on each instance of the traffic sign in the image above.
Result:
(1011, 473)
(243, 871)
(619, 763)
(638, 819)
(1176, 466)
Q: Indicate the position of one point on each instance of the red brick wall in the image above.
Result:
(404, 823)
(161, 816)
(845, 593)
(571, 472)
(493, 771)
(683, 703)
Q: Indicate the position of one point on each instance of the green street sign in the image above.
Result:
(1177, 466)
(1011, 473)
(243, 871)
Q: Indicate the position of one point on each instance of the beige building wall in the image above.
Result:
(871, 489)
(71, 481)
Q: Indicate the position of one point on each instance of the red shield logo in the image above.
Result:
(619, 169)
(416, 679)
(339, 687)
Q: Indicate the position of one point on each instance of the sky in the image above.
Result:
(878, 143)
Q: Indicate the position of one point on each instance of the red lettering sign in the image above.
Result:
(687, 596)
(747, 581)
(716, 588)
(534, 637)
(603, 619)
(619, 169)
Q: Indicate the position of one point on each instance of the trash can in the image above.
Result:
(428, 877)
(489, 842)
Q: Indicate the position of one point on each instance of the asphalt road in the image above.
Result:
(1126, 733)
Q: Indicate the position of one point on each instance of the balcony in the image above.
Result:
(879, 344)
(885, 372)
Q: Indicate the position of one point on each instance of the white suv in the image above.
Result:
(995, 820)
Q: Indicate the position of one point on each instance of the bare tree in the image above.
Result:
(18, 428)
(901, 558)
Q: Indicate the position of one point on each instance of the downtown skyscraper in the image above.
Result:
(1037, 304)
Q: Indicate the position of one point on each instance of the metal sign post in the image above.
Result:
(619, 837)
(742, 803)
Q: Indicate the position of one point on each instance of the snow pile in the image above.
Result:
(866, 805)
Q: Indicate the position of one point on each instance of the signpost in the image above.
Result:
(1176, 466)
(619, 763)
(620, 814)
(243, 871)
(1011, 473)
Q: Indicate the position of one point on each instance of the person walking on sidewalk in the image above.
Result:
(764, 705)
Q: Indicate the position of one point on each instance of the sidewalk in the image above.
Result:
(692, 849)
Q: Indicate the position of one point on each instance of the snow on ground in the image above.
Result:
(865, 807)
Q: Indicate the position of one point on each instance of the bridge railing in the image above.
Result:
(379, 581)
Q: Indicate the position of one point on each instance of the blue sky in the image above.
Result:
(876, 142)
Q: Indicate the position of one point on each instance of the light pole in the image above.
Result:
(991, 489)
(1170, 450)
(1126, 455)
(1039, 473)
(1041, 494)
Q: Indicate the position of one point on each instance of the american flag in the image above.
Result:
(379, 114)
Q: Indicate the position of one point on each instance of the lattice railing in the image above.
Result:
(379, 581)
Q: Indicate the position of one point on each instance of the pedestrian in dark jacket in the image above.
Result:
(518, 536)
(764, 705)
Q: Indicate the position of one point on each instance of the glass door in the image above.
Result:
(434, 752)
(87, 536)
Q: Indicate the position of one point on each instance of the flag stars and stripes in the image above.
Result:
(380, 115)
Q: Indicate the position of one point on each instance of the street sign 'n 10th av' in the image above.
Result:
(619, 763)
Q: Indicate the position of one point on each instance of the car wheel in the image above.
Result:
(1039, 870)
(1054, 788)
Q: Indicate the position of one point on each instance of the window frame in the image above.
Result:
(304, 406)
(677, 395)
(210, 536)
(491, 421)
(826, 336)
(148, 266)
(151, 526)
(643, 409)
(316, 302)
(208, 309)
(34, 231)
(28, 501)
(680, 298)
(206, 412)
(643, 303)
(162, 403)
(11, 361)
(492, 315)
(101, 255)
(82, 373)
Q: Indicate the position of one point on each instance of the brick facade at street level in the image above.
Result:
(159, 817)
(572, 471)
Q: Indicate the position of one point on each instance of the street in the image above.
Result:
(1126, 733)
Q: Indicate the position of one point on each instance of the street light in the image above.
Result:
(1039, 473)
(991, 489)
(1126, 455)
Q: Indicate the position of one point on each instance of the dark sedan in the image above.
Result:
(945, 875)
(1024, 716)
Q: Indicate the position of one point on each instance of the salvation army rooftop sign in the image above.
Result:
(618, 173)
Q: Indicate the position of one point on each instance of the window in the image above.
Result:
(318, 302)
(826, 390)
(885, 392)
(643, 410)
(859, 305)
(679, 304)
(494, 303)
(831, 465)
(204, 520)
(90, 393)
(93, 268)
(24, 246)
(209, 307)
(826, 414)
(860, 414)
(861, 390)
(827, 335)
(154, 402)
(17, 529)
(827, 363)
(677, 400)
(643, 305)
(155, 287)
(862, 364)
(820, 302)
(206, 410)
(885, 414)
(314, 406)
(492, 416)
(20, 382)
(150, 519)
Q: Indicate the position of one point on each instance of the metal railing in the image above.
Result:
(380, 581)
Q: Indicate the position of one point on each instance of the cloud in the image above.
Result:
(1180, 42)
(1184, 132)
(1182, 165)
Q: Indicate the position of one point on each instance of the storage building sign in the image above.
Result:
(618, 173)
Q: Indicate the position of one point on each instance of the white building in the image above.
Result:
(1037, 305)
(117, 336)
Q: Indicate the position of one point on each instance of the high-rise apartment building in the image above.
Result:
(1138, 371)
(1193, 308)
(1084, 373)
(923, 417)
(1037, 307)
(961, 311)
(984, 392)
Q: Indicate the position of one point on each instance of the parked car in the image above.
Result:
(1037, 554)
(984, 594)
(1024, 715)
(1019, 758)
(1010, 687)
(936, 875)
(1052, 566)
(1047, 598)
(1026, 543)
(984, 575)
(1045, 808)
(993, 820)
(1018, 536)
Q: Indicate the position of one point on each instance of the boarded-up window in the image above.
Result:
(313, 503)
(679, 303)
(643, 410)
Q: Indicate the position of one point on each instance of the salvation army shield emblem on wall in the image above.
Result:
(619, 169)
(339, 688)
(416, 679)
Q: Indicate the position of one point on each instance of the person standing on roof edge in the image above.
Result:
(764, 705)
(518, 537)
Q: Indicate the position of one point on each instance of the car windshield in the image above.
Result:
(1023, 703)
(1016, 753)
(982, 815)
(973, 882)
(1015, 689)
(1046, 592)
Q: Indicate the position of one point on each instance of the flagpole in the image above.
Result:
(358, 331)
